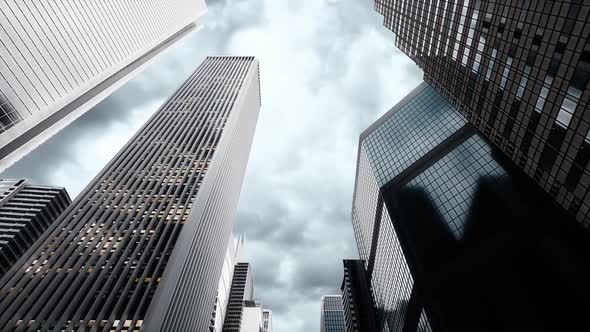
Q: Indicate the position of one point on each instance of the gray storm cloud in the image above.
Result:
(328, 70)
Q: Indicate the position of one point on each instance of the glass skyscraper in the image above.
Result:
(26, 211)
(357, 299)
(519, 72)
(454, 236)
(332, 314)
(142, 246)
(60, 58)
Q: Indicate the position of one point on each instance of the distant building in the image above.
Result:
(232, 254)
(243, 313)
(519, 72)
(58, 60)
(357, 300)
(454, 236)
(332, 314)
(267, 320)
(26, 211)
(143, 246)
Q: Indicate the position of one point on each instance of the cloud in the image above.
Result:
(328, 70)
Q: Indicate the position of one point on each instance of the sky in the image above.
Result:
(328, 69)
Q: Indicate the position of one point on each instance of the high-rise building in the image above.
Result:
(242, 289)
(267, 320)
(519, 72)
(252, 317)
(232, 254)
(357, 300)
(26, 211)
(58, 59)
(454, 236)
(142, 246)
(332, 314)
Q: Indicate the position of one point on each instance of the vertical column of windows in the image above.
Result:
(505, 73)
(547, 82)
(523, 81)
(491, 64)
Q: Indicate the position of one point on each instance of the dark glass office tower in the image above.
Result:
(142, 246)
(519, 71)
(454, 236)
(332, 314)
(357, 300)
(25, 213)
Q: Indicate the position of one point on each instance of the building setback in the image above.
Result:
(519, 72)
(454, 236)
(143, 245)
(332, 314)
(60, 58)
(25, 213)
(242, 289)
(357, 300)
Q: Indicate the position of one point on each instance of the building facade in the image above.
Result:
(267, 320)
(454, 236)
(332, 314)
(242, 289)
(519, 72)
(142, 247)
(357, 300)
(232, 254)
(58, 59)
(26, 211)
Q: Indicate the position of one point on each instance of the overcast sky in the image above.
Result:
(328, 70)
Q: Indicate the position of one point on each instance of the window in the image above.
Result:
(523, 81)
(491, 64)
(568, 107)
(544, 92)
(505, 73)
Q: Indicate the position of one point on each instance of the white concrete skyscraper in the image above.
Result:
(60, 58)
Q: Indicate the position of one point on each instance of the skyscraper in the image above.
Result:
(232, 254)
(519, 72)
(454, 236)
(357, 300)
(267, 320)
(58, 59)
(25, 213)
(242, 289)
(143, 245)
(332, 314)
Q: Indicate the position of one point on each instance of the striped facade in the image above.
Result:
(142, 247)
(25, 213)
(59, 58)
(242, 289)
(519, 71)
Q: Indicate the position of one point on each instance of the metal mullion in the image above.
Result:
(227, 110)
(87, 61)
(105, 30)
(151, 12)
(28, 49)
(113, 164)
(90, 36)
(93, 27)
(141, 213)
(65, 41)
(116, 22)
(21, 68)
(213, 137)
(133, 202)
(201, 125)
(131, 29)
(108, 233)
(46, 49)
(71, 64)
(154, 123)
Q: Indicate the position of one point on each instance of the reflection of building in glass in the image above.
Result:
(26, 211)
(332, 314)
(142, 247)
(519, 72)
(357, 300)
(454, 237)
(58, 59)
